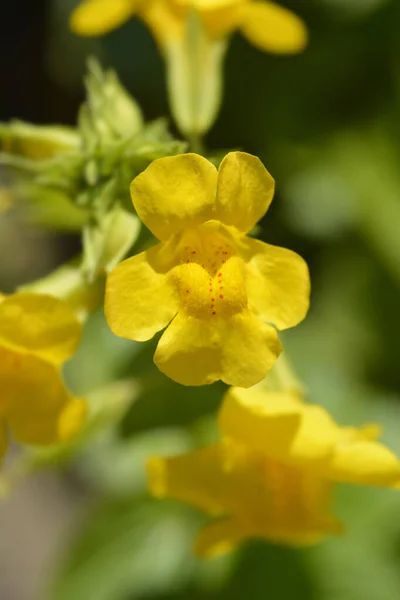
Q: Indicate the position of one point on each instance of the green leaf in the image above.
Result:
(129, 549)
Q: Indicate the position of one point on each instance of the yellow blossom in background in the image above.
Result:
(216, 289)
(193, 37)
(38, 333)
(259, 420)
(265, 24)
(273, 472)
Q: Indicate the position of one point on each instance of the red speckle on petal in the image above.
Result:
(214, 313)
(221, 296)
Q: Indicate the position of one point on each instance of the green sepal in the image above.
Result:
(194, 76)
(106, 241)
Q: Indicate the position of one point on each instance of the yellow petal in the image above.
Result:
(261, 498)
(238, 350)
(97, 17)
(315, 438)
(364, 462)
(71, 419)
(218, 479)
(189, 351)
(39, 324)
(196, 478)
(175, 193)
(279, 426)
(40, 410)
(245, 190)
(220, 17)
(300, 514)
(278, 283)
(140, 299)
(164, 21)
(263, 422)
(273, 28)
(218, 538)
(201, 5)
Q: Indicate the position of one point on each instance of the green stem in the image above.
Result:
(282, 378)
(196, 144)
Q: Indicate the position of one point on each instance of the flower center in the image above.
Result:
(210, 276)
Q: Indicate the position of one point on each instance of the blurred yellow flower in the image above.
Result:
(272, 474)
(265, 24)
(220, 288)
(38, 333)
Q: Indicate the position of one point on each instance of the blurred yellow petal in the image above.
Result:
(315, 438)
(301, 506)
(40, 410)
(239, 350)
(261, 498)
(278, 283)
(39, 324)
(140, 299)
(220, 17)
(175, 193)
(264, 423)
(209, 4)
(273, 28)
(364, 462)
(217, 479)
(97, 17)
(245, 190)
(195, 478)
(217, 538)
(279, 426)
(164, 21)
(71, 419)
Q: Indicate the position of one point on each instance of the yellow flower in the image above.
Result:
(38, 333)
(310, 438)
(265, 24)
(272, 474)
(220, 288)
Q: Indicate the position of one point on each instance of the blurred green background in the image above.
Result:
(327, 125)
